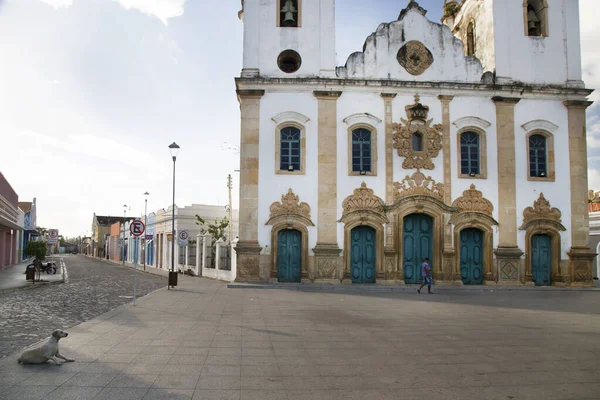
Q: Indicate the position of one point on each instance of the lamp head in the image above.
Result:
(174, 149)
(146, 194)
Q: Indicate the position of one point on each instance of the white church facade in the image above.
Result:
(462, 141)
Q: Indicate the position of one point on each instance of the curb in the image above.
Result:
(404, 289)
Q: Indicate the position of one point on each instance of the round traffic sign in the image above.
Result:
(183, 235)
(137, 228)
(53, 233)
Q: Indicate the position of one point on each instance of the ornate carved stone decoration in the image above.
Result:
(416, 139)
(327, 269)
(290, 205)
(418, 184)
(250, 267)
(472, 200)
(541, 210)
(415, 57)
(363, 199)
(509, 271)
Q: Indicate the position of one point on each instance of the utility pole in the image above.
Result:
(123, 242)
(229, 187)
(146, 224)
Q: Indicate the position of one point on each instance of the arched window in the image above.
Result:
(470, 157)
(417, 141)
(471, 39)
(289, 153)
(538, 159)
(361, 150)
(536, 17)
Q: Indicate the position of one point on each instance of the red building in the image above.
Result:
(9, 218)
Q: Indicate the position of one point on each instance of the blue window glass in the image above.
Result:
(361, 150)
(290, 149)
(537, 156)
(469, 153)
(417, 142)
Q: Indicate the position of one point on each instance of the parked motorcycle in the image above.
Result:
(47, 267)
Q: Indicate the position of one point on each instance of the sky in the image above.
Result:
(92, 92)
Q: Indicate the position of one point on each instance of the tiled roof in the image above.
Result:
(592, 207)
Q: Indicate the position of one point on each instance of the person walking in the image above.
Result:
(426, 273)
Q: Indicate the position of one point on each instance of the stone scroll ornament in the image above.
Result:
(472, 200)
(541, 210)
(290, 204)
(363, 199)
(430, 137)
(418, 184)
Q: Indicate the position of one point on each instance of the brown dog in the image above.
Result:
(47, 351)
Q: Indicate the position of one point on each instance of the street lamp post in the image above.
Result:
(174, 149)
(123, 243)
(146, 223)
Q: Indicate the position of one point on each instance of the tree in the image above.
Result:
(36, 249)
(217, 229)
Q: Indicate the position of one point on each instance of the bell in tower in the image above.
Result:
(287, 13)
(533, 22)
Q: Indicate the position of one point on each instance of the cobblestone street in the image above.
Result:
(93, 288)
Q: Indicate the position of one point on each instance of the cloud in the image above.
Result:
(58, 3)
(161, 9)
(594, 179)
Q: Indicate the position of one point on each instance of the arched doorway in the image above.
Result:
(471, 256)
(541, 260)
(363, 248)
(417, 245)
(289, 255)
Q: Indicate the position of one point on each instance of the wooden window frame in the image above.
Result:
(373, 131)
(278, 130)
(482, 152)
(471, 39)
(550, 171)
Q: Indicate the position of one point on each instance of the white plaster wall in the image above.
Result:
(354, 102)
(537, 59)
(314, 40)
(558, 193)
(272, 186)
(481, 13)
(484, 108)
(378, 60)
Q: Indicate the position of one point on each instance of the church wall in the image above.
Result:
(533, 59)
(481, 14)
(348, 104)
(484, 108)
(557, 192)
(271, 185)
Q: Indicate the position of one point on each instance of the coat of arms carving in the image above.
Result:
(416, 139)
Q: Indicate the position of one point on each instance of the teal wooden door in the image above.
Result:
(417, 244)
(289, 255)
(541, 259)
(471, 256)
(362, 254)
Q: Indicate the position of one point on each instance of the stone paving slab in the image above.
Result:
(13, 278)
(204, 341)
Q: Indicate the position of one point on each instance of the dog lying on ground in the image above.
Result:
(47, 351)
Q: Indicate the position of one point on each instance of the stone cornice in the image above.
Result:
(250, 93)
(578, 104)
(327, 95)
(389, 96)
(328, 83)
(443, 98)
(505, 101)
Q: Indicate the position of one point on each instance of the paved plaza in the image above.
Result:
(205, 341)
(92, 288)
